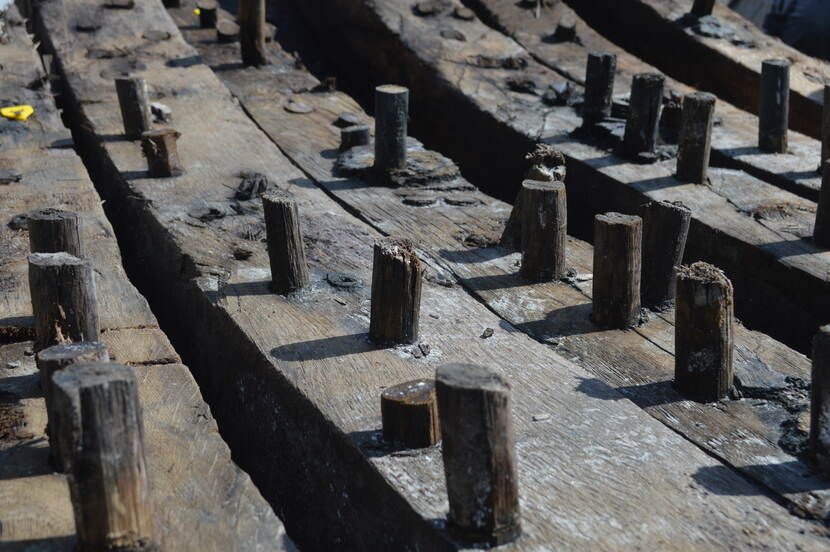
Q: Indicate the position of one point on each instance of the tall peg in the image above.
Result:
(133, 99)
(354, 135)
(53, 230)
(599, 87)
(479, 454)
(108, 481)
(62, 289)
(544, 230)
(665, 229)
(391, 112)
(820, 399)
(159, 147)
(695, 137)
(643, 113)
(410, 414)
(825, 129)
(207, 13)
(703, 7)
(773, 113)
(703, 333)
(617, 266)
(289, 270)
(396, 292)
(252, 32)
(821, 231)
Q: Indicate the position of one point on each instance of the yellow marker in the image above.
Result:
(197, 11)
(17, 112)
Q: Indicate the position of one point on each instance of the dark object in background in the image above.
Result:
(803, 24)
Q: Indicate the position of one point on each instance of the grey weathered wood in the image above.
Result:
(479, 454)
(289, 270)
(64, 305)
(135, 106)
(354, 135)
(108, 479)
(665, 229)
(617, 265)
(252, 32)
(410, 414)
(774, 111)
(207, 13)
(703, 7)
(695, 137)
(703, 333)
(227, 31)
(159, 147)
(821, 230)
(820, 399)
(825, 128)
(544, 230)
(643, 113)
(391, 114)
(54, 230)
(396, 292)
(599, 87)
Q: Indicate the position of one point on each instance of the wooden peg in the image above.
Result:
(479, 454)
(396, 292)
(703, 7)
(644, 113)
(617, 258)
(108, 480)
(703, 333)
(565, 29)
(289, 270)
(599, 87)
(53, 231)
(665, 229)
(825, 129)
(135, 106)
(252, 32)
(544, 230)
(820, 399)
(207, 13)
(172, 3)
(773, 113)
(62, 289)
(391, 112)
(226, 31)
(695, 137)
(162, 154)
(821, 231)
(49, 362)
(354, 135)
(410, 414)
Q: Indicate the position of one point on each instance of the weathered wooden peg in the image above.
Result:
(544, 230)
(773, 113)
(108, 480)
(821, 230)
(396, 292)
(159, 147)
(617, 265)
(599, 87)
(207, 13)
(252, 32)
(354, 135)
(64, 306)
(703, 7)
(53, 231)
(695, 137)
(479, 454)
(665, 229)
(172, 3)
(643, 113)
(703, 333)
(825, 129)
(289, 270)
(133, 99)
(226, 31)
(391, 112)
(820, 399)
(565, 29)
(410, 414)
(49, 362)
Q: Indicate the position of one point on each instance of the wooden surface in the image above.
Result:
(204, 502)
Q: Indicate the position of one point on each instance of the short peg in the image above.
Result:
(617, 267)
(162, 154)
(397, 276)
(53, 230)
(289, 270)
(133, 99)
(410, 414)
(599, 87)
(695, 137)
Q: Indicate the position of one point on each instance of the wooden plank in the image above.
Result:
(300, 403)
(203, 500)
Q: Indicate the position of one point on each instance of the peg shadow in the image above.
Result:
(372, 444)
(188, 61)
(25, 459)
(135, 175)
(494, 282)
(804, 246)
(742, 150)
(564, 322)
(245, 289)
(788, 477)
(67, 542)
(645, 395)
(658, 183)
(328, 347)
(475, 255)
(25, 386)
(113, 138)
(801, 175)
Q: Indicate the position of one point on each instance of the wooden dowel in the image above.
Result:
(703, 333)
(825, 129)
(695, 137)
(172, 3)
(162, 154)
(599, 87)
(565, 29)
(617, 258)
(289, 270)
(252, 32)
(108, 473)
(62, 289)
(773, 113)
(207, 13)
(53, 231)
(820, 399)
(544, 230)
(391, 112)
(643, 113)
(396, 292)
(479, 454)
(49, 362)
(821, 231)
(133, 99)
(354, 135)
(226, 31)
(410, 414)
(665, 229)
(703, 7)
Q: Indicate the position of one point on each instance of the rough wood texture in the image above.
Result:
(355, 135)
(599, 87)
(289, 270)
(479, 454)
(820, 399)
(391, 114)
(695, 137)
(159, 147)
(644, 108)
(410, 414)
(396, 292)
(252, 32)
(64, 302)
(53, 230)
(135, 106)
(544, 231)
(773, 113)
(665, 229)
(703, 333)
(617, 265)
